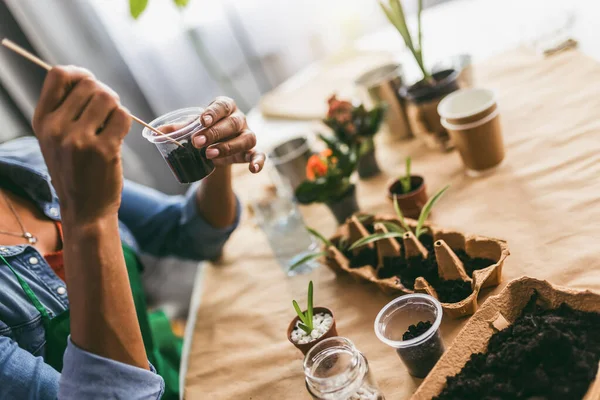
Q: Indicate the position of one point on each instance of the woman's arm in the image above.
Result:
(80, 126)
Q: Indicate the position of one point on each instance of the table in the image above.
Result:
(543, 200)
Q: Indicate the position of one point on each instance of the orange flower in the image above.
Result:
(316, 167)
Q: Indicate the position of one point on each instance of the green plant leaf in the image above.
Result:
(307, 258)
(427, 210)
(343, 244)
(137, 7)
(309, 309)
(399, 214)
(181, 3)
(299, 311)
(374, 237)
(364, 217)
(405, 181)
(322, 238)
(393, 227)
(305, 328)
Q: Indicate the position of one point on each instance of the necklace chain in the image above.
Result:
(25, 235)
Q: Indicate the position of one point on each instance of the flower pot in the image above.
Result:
(305, 347)
(367, 164)
(290, 159)
(412, 202)
(344, 207)
(472, 119)
(423, 100)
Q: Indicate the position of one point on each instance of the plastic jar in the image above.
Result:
(187, 163)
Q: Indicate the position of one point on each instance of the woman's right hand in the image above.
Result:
(80, 125)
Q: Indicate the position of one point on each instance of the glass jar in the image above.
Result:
(187, 163)
(336, 370)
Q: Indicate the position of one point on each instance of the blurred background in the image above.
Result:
(173, 57)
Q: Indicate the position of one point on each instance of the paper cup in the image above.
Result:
(472, 119)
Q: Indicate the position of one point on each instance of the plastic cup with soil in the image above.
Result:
(411, 203)
(411, 325)
(187, 163)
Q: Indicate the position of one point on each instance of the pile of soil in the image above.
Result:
(544, 354)
(422, 357)
(188, 163)
(416, 330)
(409, 270)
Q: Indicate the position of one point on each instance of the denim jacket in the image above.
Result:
(150, 222)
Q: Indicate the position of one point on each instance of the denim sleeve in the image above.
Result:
(166, 225)
(24, 376)
(89, 376)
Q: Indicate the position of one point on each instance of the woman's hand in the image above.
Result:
(80, 125)
(227, 136)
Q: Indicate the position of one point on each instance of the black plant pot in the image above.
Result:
(367, 165)
(343, 208)
(446, 82)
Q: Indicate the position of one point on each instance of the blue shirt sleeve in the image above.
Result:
(166, 225)
(86, 376)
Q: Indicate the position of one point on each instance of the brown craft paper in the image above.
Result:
(474, 337)
(475, 246)
(449, 265)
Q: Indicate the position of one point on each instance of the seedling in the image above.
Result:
(306, 318)
(398, 230)
(405, 181)
(312, 256)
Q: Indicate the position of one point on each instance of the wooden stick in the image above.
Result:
(21, 51)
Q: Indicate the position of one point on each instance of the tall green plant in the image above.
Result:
(137, 7)
(306, 318)
(395, 14)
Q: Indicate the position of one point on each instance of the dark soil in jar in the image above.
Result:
(421, 358)
(409, 270)
(189, 164)
(544, 354)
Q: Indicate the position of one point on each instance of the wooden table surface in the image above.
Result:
(543, 201)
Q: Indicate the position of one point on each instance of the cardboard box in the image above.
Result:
(493, 315)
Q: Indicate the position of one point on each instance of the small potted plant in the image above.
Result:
(328, 180)
(409, 191)
(310, 326)
(355, 126)
(423, 96)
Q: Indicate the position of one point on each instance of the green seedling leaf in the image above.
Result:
(343, 244)
(427, 210)
(305, 328)
(299, 311)
(400, 215)
(393, 227)
(364, 217)
(406, 180)
(309, 309)
(137, 7)
(374, 237)
(322, 238)
(181, 3)
(307, 258)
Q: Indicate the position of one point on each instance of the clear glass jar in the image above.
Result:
(336, 370)
(187, 163)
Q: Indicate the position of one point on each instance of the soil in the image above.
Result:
(397, 188)
(421, 358)
(409, 270)
(189, 164)
(544, 354)
(416, 330)
(366, 256)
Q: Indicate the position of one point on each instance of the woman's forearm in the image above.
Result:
(215, 199)
(103, 315)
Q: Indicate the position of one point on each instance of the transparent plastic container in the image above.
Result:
(187, 163)
(336, 370)
(421, 353)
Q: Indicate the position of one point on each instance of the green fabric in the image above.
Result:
(163, 348)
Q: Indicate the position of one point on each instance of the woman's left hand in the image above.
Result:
(227, 137)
